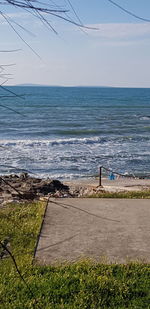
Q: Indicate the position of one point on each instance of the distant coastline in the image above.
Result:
(40, 85)
(74, 86)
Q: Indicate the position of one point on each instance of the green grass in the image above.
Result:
(84, 284)
(130, 194)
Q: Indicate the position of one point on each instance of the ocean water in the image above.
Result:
(62, 132)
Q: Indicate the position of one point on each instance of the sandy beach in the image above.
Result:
(117, 185)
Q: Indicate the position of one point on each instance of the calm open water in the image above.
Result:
(70, 132)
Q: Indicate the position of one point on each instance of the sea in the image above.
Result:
(69, 132)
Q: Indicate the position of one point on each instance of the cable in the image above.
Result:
(128, 12)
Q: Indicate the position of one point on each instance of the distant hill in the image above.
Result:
(40, 85)
(33, 85)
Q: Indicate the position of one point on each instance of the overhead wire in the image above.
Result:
(128, 12)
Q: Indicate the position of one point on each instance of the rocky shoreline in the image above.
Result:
(17, 188)
(23, 187)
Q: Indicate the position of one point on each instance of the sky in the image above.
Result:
(114, 52)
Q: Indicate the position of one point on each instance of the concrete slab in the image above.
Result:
(114, 230)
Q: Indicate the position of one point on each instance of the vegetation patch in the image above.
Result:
(130, 194)
(83, 284)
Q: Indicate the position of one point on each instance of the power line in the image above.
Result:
(128, 12)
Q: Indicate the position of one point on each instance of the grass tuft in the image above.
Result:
(129, 195)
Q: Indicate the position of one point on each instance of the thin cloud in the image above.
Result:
(121, 31)
(18, 15)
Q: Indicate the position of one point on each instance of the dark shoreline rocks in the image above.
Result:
(23, 187)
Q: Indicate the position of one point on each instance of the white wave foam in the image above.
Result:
(145, 118)
(69, 158)
(52, 142)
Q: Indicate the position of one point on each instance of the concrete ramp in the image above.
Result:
(110, 230)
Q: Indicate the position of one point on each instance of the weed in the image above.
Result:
(130, 195)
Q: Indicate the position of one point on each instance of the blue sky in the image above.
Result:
(117, 54)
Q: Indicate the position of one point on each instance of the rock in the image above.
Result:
(44, 198)
(25, 187)
(8, 201)
(24, 176)
(28, 196)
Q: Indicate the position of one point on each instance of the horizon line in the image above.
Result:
(75, 86)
